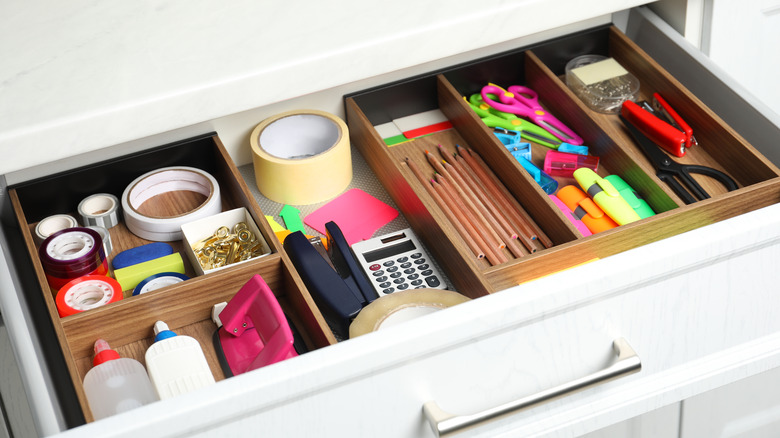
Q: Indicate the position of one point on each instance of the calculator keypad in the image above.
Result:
(408, 271)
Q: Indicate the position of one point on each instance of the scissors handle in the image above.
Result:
(524, 101)
(684, 172)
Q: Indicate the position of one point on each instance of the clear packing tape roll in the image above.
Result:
(301, 157)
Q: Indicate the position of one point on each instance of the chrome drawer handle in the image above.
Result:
(444, 423)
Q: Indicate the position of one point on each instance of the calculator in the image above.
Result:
(396, 262)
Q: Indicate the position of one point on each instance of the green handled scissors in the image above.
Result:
(494, 118)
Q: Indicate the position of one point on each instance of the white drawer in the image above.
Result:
(698, 309)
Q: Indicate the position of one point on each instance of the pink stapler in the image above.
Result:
(254, 331)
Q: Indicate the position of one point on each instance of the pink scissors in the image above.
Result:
(524, 102)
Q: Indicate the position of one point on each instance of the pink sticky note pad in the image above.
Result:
(357, 214)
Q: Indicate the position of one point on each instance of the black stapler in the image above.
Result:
(338, 285)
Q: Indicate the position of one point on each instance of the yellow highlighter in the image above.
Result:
(606, 196)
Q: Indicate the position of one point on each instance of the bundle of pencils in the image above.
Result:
(478, 205)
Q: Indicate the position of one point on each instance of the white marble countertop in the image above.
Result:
(79, 76)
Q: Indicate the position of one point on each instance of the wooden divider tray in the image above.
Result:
(542, 69)
(186, 307)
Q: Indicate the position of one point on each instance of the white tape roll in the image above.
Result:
(301, 157)
(50, 225)
(100, 209)
(396, 308)
(165, 180)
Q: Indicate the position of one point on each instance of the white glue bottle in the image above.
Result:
(176, 364)
(115, 384)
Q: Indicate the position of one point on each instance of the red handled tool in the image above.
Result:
(660, 123)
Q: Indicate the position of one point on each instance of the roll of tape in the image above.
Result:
(105, 235)
(301, 157)
(85, 293)
(165, 180)
(50, 225)
(71, 253)
(389, 310)
(158, 281)
(100, 209)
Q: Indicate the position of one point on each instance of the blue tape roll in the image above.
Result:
(157, 281)
(140, 254)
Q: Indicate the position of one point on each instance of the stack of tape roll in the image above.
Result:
(396, 308)
(72, 253)
(301, 157)
(87, 292)
(100, 209)
(50, 225)
(168, 180)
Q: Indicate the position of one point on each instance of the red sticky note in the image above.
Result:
(357, 214)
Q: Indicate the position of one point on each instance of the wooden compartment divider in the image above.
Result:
(186, 307)
(720, 147)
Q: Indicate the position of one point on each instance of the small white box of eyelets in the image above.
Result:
(223, 240)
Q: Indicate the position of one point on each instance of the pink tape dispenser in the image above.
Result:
(254, 331)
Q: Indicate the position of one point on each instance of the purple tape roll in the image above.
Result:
(71, 253)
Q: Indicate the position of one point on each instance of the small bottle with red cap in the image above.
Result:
(116, 384)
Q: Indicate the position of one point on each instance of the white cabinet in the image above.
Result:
(699, 310)
(749, 408)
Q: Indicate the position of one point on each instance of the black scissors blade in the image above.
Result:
(670, 171)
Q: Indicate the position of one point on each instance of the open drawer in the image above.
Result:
(186, 306)
(530, 337)
(541, 68)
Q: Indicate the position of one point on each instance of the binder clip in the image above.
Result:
(253, 330)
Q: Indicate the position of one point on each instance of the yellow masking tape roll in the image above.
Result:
(301, 157)
(130, 276)
(398, 307)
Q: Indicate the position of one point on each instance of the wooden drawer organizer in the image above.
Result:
(185, 307)
(542, 69)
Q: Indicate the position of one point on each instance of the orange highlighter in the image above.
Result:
(585, 209)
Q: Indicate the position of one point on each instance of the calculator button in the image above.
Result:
(428, 272)
(402, 286)
(374, 267)
(402, 259)
(405, 265)
(420, 287)
(385, 284)
(395, 275)
(409, 271)
(377, 273)
(416, 255)
(418, 261)
(392, 269)
(433, 281)
(413, 277)
(389, 290)
(423, 267)
(389, 263)
(416, 282)
(399, 280)
(381, 279)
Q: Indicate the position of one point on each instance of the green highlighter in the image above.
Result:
(636, 202)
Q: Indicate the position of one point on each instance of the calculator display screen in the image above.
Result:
(389, 251)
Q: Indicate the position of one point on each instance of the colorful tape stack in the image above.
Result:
(72, 253)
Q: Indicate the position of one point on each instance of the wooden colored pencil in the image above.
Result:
(491, 254)
(524, 232)
(492, 219)
(491, 236)
(503, 196)
(456, 218)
